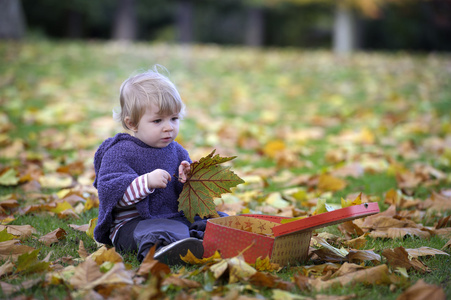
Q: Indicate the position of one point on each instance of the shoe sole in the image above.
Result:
(170, 254)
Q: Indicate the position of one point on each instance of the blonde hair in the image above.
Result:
(142, 90)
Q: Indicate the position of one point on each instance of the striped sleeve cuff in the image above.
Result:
(135, 192)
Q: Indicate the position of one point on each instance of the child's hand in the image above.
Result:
(158, 179)
(184, 171)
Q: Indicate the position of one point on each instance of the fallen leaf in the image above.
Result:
(268, 280)
(265, 265)
(423, 291)
(28, 263)
(447, 245)
(82, 228)
(350, 202)
(104, 254)
(53, 237)
(347, 268)
(239, 270)
(82, 250)
(376, 275)
(22, 231)
(13, 249)
(278, 294)
(357, 243)
(328, 182)
(5, 236)
(399, 257)
(193, 260)
(85, 274)
(363, 255)
(7, 268)
(9, 177)
(424, 251)
(150, 266)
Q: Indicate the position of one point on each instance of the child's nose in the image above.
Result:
(168, 126)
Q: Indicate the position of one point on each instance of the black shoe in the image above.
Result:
(170, 254)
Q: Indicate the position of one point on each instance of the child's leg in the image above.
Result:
(124, 241)
(161, 232)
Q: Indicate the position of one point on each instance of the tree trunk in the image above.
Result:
(344, 33)
(255, 27)
(185, 21)
(12, 20)
(125, 23)
(74, 24)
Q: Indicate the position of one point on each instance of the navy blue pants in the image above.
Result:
(139, 235)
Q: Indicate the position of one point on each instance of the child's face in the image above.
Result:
(156, 130)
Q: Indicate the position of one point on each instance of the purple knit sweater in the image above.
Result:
(122, 158)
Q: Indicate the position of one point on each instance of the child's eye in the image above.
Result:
(156, 121)
(175, 118)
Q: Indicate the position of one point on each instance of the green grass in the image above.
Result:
(238, 101)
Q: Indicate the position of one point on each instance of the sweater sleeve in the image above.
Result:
(135, 192)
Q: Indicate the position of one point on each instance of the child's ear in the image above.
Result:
(130, 124)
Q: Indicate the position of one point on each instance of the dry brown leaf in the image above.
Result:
(6, 268)
(443, 222)
(447, 245)
(82, 250)
(424, 251)
(423, 291)
(437, 202)
(103, 254)
(22, 231)
(117, 276)
(384, 223)
(399, 257)
(349, 228)
(375, 275)
(85, 274)
(82, 228)
(363, 255)
(357, 243)
(270, 281)
(239, 270)
(302, 282)
(443, 232)
(53, 237)
(395, 233)
(12, 249)
(368, 222)
(151, 266)
(347, 268)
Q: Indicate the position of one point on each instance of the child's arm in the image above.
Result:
(144, 185)
(136, 191)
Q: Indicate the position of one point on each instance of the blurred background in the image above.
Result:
(344, 25)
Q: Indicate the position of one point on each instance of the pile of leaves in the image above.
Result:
(310, 133)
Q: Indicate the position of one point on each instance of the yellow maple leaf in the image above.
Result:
(92, 225)
(191, 259)
(272, 148)
(328, 182)
(265, 264)
(322, 207)
(350, 202)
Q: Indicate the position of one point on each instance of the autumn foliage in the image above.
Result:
(296, 134)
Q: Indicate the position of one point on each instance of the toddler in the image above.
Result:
(137, 193)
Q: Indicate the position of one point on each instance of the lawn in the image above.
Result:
(306, 127)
